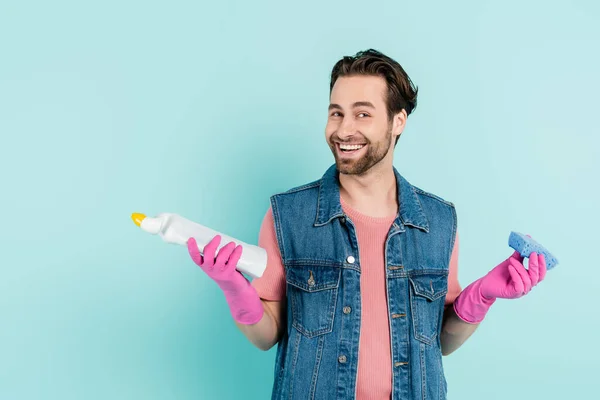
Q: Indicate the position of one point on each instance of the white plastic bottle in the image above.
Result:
(174, 228)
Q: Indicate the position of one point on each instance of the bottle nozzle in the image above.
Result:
(138, 218)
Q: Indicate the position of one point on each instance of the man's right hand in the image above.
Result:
(244, 303)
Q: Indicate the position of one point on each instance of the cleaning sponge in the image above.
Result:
(526, 245)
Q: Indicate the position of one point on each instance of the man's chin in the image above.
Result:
(347, 168)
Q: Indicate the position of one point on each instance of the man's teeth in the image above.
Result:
(351, 147)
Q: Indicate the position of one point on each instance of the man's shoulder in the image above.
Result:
(435, 208)
(427, 196)
(310, 186)
(300, 197)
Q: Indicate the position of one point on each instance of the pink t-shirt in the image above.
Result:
(374, 344)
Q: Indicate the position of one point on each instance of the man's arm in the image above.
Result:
(271, 285)
(508, 280)
(266, 332)
(455, 331)
(260, 320)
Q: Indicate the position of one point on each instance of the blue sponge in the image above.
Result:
(526, 245)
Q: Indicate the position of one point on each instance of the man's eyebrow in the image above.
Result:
(355, 105)
(363, 104)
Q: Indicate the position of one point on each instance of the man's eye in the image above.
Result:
(335, 114)
(365, 115)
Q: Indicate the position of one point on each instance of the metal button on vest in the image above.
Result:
(342, 359)
(311, 279)
(347, 310)
(350, 259)
(343, 220)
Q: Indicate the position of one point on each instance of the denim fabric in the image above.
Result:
(317, 358)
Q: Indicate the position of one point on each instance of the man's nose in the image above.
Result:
(347, 128)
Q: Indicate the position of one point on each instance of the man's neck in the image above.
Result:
(373, 194)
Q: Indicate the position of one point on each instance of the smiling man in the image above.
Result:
(360, 292)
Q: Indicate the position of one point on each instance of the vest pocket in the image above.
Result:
(427, 297)
(312, 291)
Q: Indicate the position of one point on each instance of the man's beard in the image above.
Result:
(375, 153)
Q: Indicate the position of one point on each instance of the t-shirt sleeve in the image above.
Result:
(271, 285)
(454, 288)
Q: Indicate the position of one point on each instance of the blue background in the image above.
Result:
(208, 108)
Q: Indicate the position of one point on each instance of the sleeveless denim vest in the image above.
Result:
(317, 357)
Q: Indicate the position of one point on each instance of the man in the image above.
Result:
(360, 292)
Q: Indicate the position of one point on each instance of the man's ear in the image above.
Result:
(399, 123)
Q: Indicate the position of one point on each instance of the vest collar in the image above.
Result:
(329, 207)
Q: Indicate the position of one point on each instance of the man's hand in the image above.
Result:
(508, 280)
(221, 267)
(244, 303)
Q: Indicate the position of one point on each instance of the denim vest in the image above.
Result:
(317, 357)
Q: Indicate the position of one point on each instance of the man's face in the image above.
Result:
(358, 130)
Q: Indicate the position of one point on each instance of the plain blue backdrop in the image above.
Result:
(208, 108)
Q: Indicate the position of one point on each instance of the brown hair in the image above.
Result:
(401, 93)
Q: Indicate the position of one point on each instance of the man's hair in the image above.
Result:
(401, 92)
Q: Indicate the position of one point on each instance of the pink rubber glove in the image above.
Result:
(243, 300)
(508, 280)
